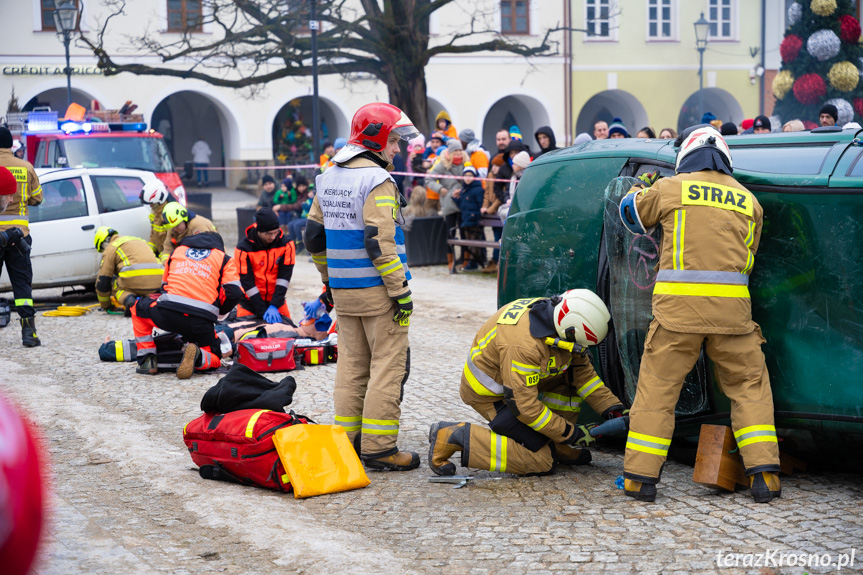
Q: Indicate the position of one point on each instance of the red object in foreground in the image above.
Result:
(21, 492)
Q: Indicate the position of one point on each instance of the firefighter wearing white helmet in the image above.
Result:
(711, 228)
(155, 194)
(529, 373)
(358, 247)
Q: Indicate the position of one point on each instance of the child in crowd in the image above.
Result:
(298, 226)
(289, 200)
(470, 199)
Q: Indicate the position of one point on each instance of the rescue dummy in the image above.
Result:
(528, 373)
(711, 229)
(20, 189)
(199, 284)
(358, 248)
(180, 223)
(129, 269)
(155, 195)
(265, 259)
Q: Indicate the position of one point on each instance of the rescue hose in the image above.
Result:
(70, 310)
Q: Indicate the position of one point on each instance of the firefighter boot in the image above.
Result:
(398, 461)
(128, 302)
(147, 365)
(28, 332)
(764, 486)
(444, 442)
(190, 358)
(641, 491)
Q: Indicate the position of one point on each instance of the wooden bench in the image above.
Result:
(485, 222)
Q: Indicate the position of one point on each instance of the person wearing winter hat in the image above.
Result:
(26, 192)
(470, 200)
(268, 192)
(728, 129)
(340, 143)
(746, 126)
(546, 140)
(265, 260)
(828, 116)
(442, 123)
(436, 140)
(520, 161)
(617, 129)
(515, 133)
(761, 125)
(582, 138)
(478, 156)
(707, 118)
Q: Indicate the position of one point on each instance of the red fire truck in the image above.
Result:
(91, 143)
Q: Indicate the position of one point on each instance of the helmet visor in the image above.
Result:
(405, 128)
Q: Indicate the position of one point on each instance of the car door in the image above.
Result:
(118, 201)
(63, 227)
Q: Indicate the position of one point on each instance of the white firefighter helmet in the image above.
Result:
(582, 317)
(699, 137)
(154, 192)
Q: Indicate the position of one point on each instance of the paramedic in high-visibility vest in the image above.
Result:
(528, 374)
(15, 223)
(200, 284)
(711, 228)
(359, 249)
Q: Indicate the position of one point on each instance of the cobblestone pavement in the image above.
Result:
(126, 498)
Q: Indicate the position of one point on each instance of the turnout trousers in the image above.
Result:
(742, 376)
(373, 366)
(20, 276)
(146, 316)
(512, 446)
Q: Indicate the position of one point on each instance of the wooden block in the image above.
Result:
(717, 463)
(789, 464)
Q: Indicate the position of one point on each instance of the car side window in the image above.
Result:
(62, 199)
(115, 193)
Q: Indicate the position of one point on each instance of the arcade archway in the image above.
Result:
(717, 101)
(608, 105)
(526, 112)
(292, 134)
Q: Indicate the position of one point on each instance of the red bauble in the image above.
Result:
(849, 29)
(858, 107)
(809, 125)
(809, 89)
(790, 47)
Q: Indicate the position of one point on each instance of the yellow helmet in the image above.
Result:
(103, 234)
(173, 214)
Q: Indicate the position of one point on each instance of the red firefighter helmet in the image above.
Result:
(21, 492)
(371, 128)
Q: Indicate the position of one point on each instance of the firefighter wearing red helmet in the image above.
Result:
(528, 373)
(358, 247)
(711, 229)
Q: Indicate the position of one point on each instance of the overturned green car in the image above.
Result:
(564, 232)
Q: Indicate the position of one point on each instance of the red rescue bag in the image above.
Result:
(267, 354)
(238, 446)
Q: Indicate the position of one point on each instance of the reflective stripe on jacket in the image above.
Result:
(265, 270)
(29, 193)
(194, 278)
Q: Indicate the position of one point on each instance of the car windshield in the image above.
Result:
(138, 153)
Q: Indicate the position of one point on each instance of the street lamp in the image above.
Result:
(702, 31)
(66, 21)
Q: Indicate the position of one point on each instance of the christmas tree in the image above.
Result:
(820, 63)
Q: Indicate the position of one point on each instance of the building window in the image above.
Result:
(47, 8)
(660, 20)
(720, 14)
(185, 16)
(601, 19)
(514, 17)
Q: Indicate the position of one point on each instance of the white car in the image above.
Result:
(76, 202)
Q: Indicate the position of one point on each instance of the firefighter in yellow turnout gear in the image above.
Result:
(129, 269)
(528, 373)
(711, 229)
(359, 250)
(155, 194)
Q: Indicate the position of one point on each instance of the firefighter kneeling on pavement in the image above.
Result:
(131, 260)
(528, 373)
(265, 258)
(711, 229)
(200, 283)
(15, 223)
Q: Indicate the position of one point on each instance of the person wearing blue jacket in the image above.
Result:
(469, 200)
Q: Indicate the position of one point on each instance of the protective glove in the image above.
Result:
(614, 412)
(326, 298)
(10, 236)
(649, 178)
(580, 437)
(272, 315)
(405, 308)
(313, 309)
